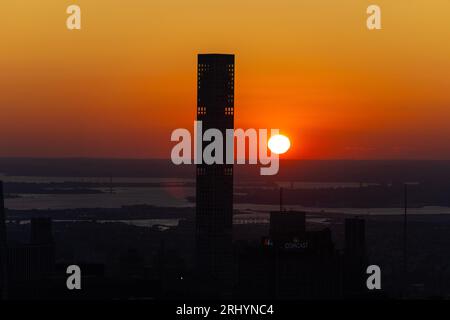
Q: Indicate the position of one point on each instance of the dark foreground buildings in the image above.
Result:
(31, 265)
(295, 263)
(355, 259)
(214, 191)
(3, 247)
(25, 268)
(291, 263)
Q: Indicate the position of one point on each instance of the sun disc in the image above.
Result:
(279, 144)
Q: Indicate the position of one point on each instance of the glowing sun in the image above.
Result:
(279, 144)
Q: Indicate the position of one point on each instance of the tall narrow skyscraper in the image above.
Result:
(3, 247)
(214, 193)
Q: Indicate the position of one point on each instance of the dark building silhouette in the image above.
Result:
(291, 263)
(28, 262)
(355, 236)
(355, 258)
(132, 264)
(31, 265)
(41, 231)
(287, 226)
(214, 191)
(3, 247)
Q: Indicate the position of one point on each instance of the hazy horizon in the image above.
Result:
(169, 160)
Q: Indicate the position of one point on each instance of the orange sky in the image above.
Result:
(118, 87)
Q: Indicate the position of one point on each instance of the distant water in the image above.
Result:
(162, 223)
(37, 179)
(263, 208)
(172, 195)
